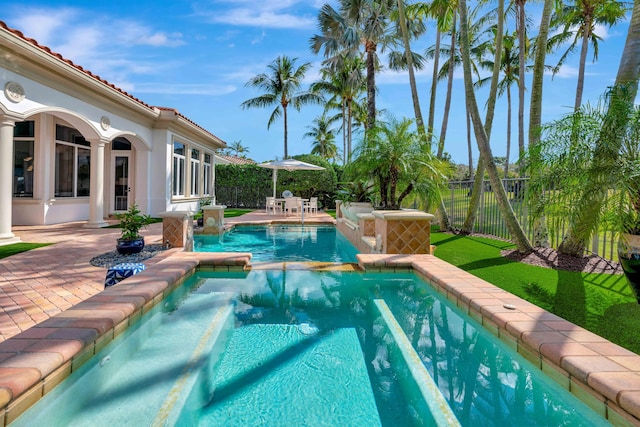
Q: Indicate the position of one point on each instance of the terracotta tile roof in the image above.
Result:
(48, 50)
(177, 113)
(237, 160)
(69, 62)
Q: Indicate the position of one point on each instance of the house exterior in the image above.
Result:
(74, 147)
(224, 159)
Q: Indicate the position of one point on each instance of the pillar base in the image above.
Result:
(9, 240)
(100, 224)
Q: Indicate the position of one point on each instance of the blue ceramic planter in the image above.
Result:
(127, 247)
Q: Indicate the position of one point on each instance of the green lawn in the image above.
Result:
(16, 248)
(601, 303)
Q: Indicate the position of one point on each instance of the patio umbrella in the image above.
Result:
(289, 165)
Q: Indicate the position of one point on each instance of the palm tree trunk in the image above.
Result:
(284, 115)
(344, 132)
(520, 239)
(521, 79)
(412, 76)
(478, 188)
(583, 60)
(506, 163)
(371, 84)
(434, 83)
(469, 150)
(447, 104)
(592, 199)
(349, 115)
(535, 110)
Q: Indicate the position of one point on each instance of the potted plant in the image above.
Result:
(131, 221)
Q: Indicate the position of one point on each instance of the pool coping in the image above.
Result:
(603, 375)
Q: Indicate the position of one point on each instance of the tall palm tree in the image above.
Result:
(523, 49)
(324, 137)
(510, 62)
(482, 139)
(281, 86)
(579, 20)
(357, 23)
(343, 82)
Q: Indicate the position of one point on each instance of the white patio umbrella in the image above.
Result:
(289, 165)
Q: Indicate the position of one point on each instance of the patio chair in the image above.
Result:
(311, 206)
(273, 206)
(292, 204)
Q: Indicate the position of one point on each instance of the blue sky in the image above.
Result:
(196, 56)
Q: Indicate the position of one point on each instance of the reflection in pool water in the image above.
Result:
(281, 243)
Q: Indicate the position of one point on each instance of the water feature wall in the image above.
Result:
(385, 231)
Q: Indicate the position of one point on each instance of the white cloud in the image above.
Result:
(183, 89)
(278, 14)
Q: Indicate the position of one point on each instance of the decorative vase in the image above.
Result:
(128, 247)
(629, 257)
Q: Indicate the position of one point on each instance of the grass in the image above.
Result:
(601, 303)
(17, 248)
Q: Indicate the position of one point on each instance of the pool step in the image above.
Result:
(284, 375)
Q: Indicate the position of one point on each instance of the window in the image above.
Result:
(178, 169)
(72, 163)
(206, 175)
(195, 172)
(23, 143)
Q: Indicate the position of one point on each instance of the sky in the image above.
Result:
(197, 56)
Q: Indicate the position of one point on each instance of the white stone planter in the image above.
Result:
(350, 210)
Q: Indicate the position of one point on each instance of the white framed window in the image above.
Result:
(23, 158)
(195, 172)
(72, 163)
(179, 169)
(206, 175)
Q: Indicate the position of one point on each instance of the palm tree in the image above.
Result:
(237, 149)
(591, 200)
(357, 23)
(579, 20)
(323, 137)
(393, 155)
(523, 48)
(509, 61)
(343, 82)
(482, 138)
(281, 88)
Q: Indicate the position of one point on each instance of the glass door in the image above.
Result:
(121, 188)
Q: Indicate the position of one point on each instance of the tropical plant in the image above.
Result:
(132, 221)
(323, 136)
(281, 86)
(624, 91)
(396, 158)
(355, 191)
(356, 24)
(567, 163)
(343, 81)
(579, 21)
(237, 149)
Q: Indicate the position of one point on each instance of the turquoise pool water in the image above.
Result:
(283, 348)
(281, 243)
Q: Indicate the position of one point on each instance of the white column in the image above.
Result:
(96, 198)
(6, 181)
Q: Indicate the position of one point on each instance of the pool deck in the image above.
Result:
(56, 314)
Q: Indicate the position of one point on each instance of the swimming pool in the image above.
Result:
(281, 243)
(287, 347)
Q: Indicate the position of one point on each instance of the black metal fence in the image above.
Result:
(489, 219)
